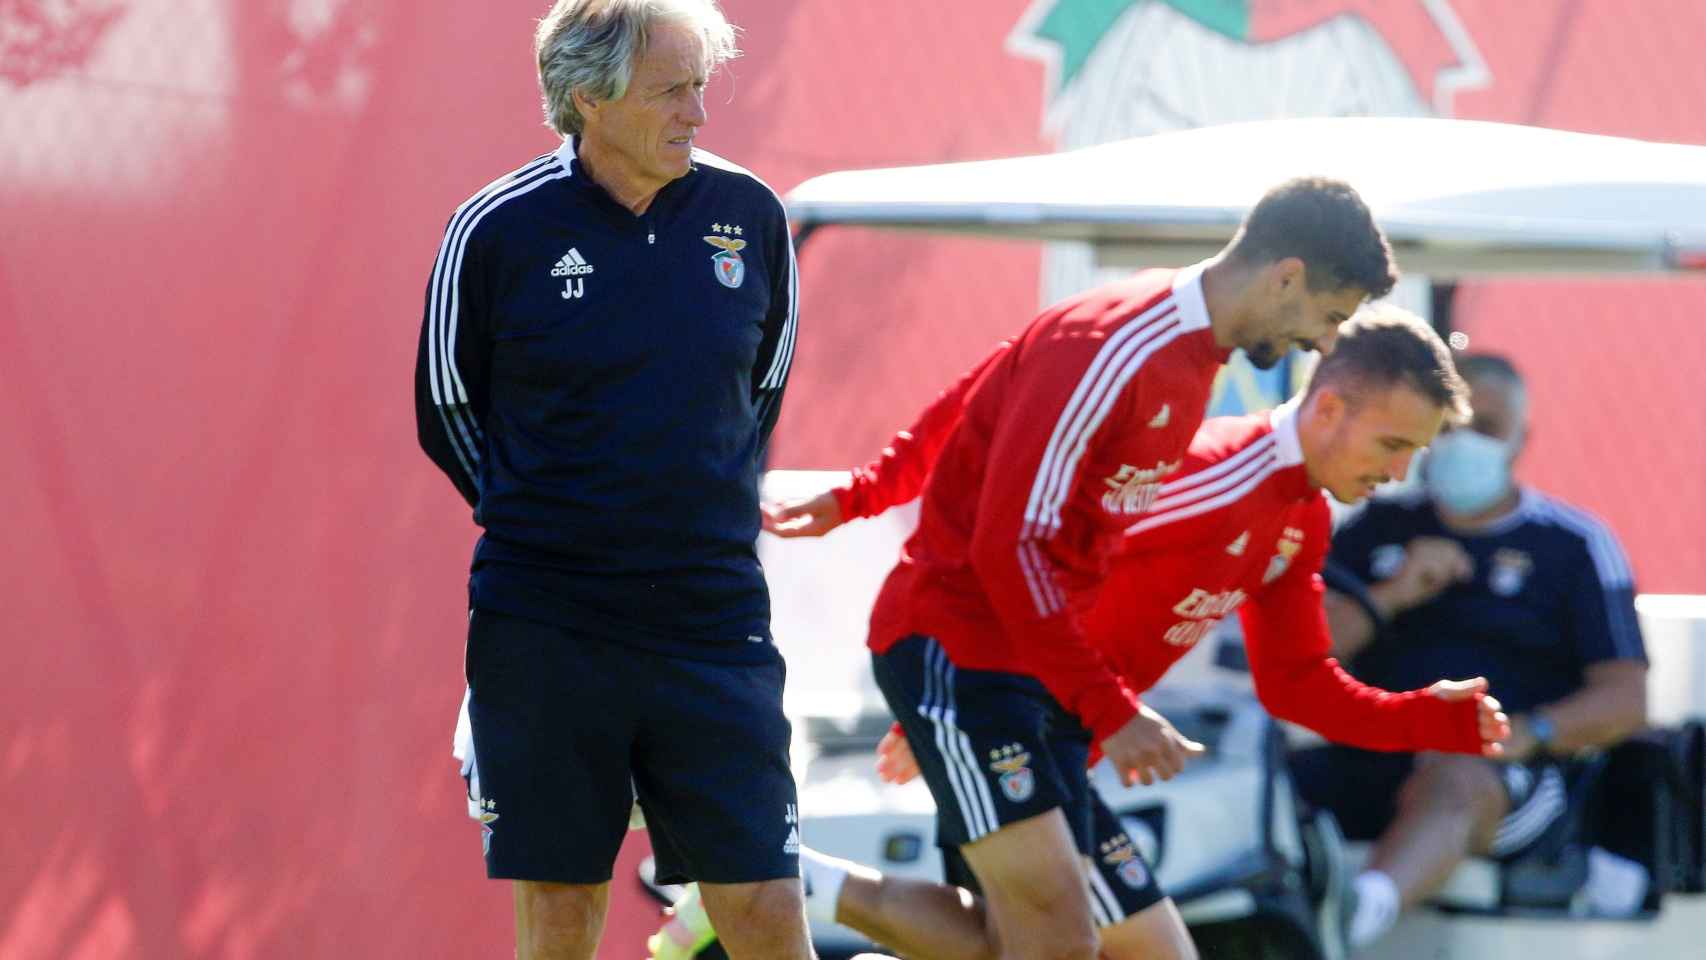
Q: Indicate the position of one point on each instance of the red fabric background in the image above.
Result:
(232, 593)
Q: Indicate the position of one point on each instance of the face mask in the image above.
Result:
(1467, 472)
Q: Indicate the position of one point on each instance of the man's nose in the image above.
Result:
(1399, 468)
(695, 114)
(1325, 342)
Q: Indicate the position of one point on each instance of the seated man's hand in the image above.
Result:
(1431, 564)
(1495, 727)
(895, 762)
(806, 517)
(1149, 748)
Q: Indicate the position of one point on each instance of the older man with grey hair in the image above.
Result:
(607, 336)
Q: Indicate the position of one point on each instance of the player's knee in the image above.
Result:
(778, 906)
(766, 912)
(1053, 931)
(1068, 945)
(1455, 784)
(558, 919)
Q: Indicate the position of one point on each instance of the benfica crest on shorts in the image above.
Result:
(726, 262)
(1018, 783)
(1122, 856)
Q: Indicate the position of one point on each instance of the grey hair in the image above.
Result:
(591, 46)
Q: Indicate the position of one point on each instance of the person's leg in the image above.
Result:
(1156, 932)
(981, 745)
(550, 790)
(758, 920)
(1033, 884)
(1136, 919)
(1360, 789)
(559, 921)
(940, 921)
(1448, 808)
(936, 921)
(1010, 795)
(711, 766)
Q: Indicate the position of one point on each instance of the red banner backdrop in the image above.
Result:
(233, 593)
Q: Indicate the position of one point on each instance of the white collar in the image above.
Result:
(1283, 420)
(1187, 293)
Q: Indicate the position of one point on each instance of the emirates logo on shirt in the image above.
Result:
(1202, 610)
(1132, 490)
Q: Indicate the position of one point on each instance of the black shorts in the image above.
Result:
(568, 729)
(994, 748)
(1122, 883)
(1361, 787)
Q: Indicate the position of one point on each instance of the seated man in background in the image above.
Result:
(1475, 575)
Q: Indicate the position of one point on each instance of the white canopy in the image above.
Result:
(1455, 197)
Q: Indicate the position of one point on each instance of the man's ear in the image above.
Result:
(585, 104)
(1330, 407)
(1288, 272)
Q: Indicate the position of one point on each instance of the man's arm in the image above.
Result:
(452, 365)
(1601, 620)
(898, 473)
(896, 476)
(1611, 705)
(1037, 454)
(781, 324)
(1285, 632)
(1431, 564)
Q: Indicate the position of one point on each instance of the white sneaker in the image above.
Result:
(686, 932)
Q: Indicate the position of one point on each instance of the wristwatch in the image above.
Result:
(1541, 729)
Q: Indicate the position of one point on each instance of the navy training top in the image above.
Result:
(1551, 593)
(600, 386)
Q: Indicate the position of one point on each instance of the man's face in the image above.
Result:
(1497, 410)
(649, 130)
(1291, 315)
(1374, 440)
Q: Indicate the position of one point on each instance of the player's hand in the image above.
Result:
(895, 762)
(1495, 727)
(1431, 564)
(1148, 748)
(808, 517)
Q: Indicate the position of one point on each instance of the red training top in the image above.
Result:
(1239, 528)
(1054, 444)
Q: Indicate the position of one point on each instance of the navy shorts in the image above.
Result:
(1122, 883)
(994, 748)
(1361, 787)
(568, 729)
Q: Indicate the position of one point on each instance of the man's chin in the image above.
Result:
(1351, 499)
(1262, 358)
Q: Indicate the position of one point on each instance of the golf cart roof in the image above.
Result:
(1456, 197)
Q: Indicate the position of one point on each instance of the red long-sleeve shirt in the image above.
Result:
(1238, 528)
(1241, 528)
(1062, 437)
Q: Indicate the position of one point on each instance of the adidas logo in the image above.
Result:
(1163, 417)
(1236, 547)
(572, 264)
(791, 816)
